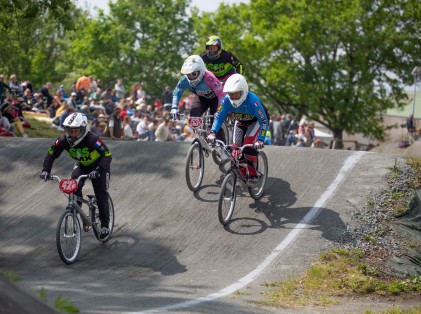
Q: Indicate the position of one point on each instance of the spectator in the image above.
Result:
(9, 112)
(3, 87)
(94, 85)
(95, 127)
(29, 98)
(63, 92)
(19, 107)
(157, 105)
(71, 102)
(142, 129)
(410, 125)
(119, 89)
(277, 131)
(6, 128)
(45, 91)
(128, 132)
(15, 86)
(39, 103)
(163, 132)
(115, 125)
(134, 92)
(167, 98)
(83, 82)
(152, 128)
(140, 92)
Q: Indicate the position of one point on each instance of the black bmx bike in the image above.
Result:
(69, 227)
(199, 149)
(235, 179)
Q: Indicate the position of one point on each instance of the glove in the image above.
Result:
(45, 175)
(211, 137)
(174, 114)
(94, 175)
(258, 145)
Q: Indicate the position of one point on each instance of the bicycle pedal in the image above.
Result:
(87, 228)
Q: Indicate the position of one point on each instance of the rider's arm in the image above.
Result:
(54, 152)
(215, 85)
(221, 114)
(259, 113)
(178, 91)
(239, 68)
(102, 149)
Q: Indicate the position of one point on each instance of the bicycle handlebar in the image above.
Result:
(225, 146)
(57, 178)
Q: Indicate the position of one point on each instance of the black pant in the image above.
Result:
(100, 186)
(199, 107)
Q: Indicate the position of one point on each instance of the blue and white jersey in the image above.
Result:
(250, 110)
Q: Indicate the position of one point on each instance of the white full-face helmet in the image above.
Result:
(236, 83)
(79, 121)
(194, 69)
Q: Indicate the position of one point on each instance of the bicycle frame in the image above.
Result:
(235, 161)
(73, 202)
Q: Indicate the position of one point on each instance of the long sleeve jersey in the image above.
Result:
(225, 66)
(209, 87)
(91, 152)
(250, 110)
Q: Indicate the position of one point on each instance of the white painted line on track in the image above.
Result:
(349, 163)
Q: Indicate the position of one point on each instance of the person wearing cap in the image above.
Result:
(63, 92)
(71, 102)
(219, 61)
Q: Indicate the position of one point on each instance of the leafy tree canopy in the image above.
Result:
(340, 63)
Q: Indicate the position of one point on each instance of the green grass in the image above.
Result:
(40, 129)
(338, 273)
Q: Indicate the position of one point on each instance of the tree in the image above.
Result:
(341, 63)
(29, 31)
(141, 41)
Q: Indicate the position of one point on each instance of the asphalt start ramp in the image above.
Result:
(168, 246)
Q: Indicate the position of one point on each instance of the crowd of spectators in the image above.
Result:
(120, 113)
(113, 112)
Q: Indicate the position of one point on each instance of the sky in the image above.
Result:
(203, 5)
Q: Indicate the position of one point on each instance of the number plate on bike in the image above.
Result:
(195, 122)
(68, 186)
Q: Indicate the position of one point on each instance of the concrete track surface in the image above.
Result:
(168, 251)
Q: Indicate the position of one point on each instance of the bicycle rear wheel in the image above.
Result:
(97, 222)
(256, 192)
(227, 197)
(68, 237)
(195, 167)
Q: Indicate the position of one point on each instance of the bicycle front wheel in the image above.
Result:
(195, 167)
(256, 191)
(97, 222)
(68, 237)
(227, 197)
(217, 152)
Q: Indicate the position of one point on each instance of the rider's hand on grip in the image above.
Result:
(235, 153)
(211, 137)
(45, 175)
(258, 145)
(174, 114)
(94, 175)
